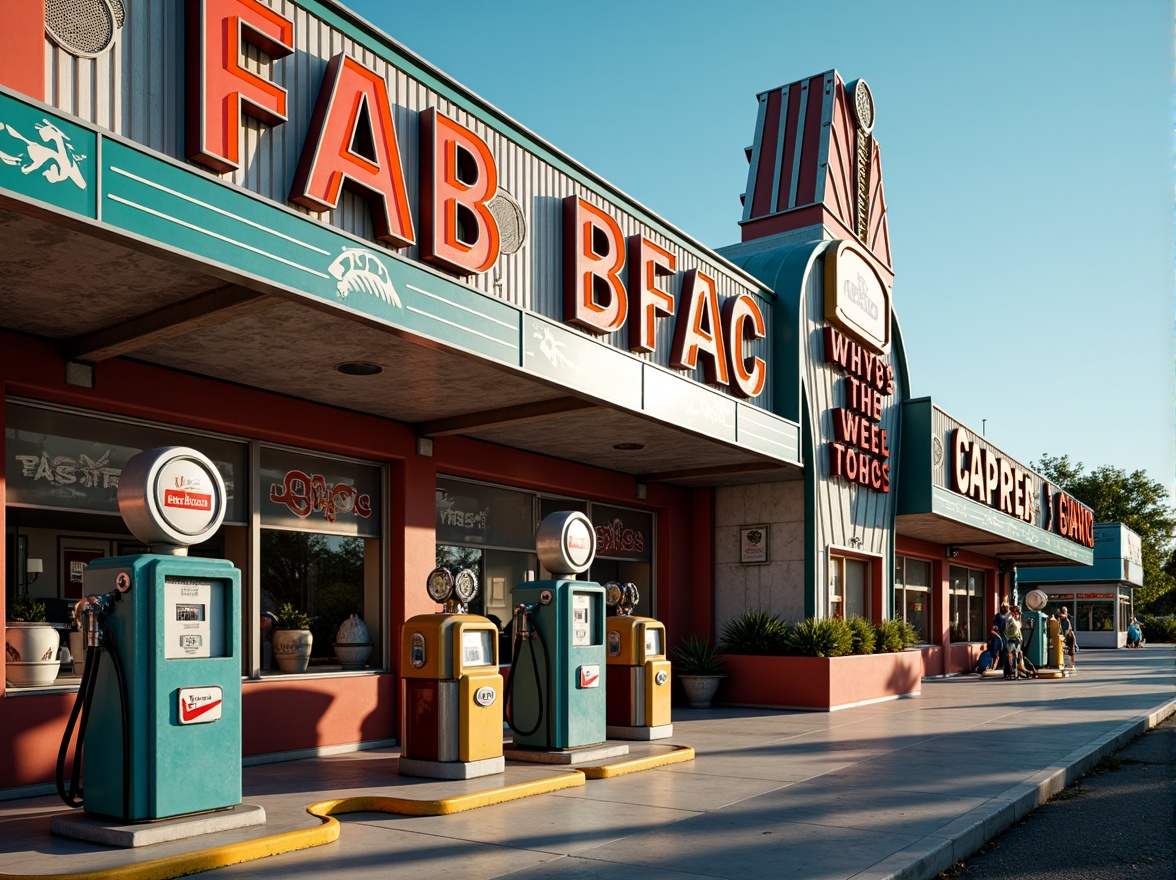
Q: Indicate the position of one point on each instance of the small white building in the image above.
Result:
(1101, 597)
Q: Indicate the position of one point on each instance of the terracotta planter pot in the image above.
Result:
(821, 682)
(291, 649)
(31, 652)
(700, 689)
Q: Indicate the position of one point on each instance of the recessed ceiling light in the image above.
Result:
(628, 447)
(359, 368)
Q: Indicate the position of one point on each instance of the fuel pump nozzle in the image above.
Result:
(524, 622)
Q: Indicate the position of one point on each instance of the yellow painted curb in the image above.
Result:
(290, 841)
(446, 806)
(633, 765)
(206, 860)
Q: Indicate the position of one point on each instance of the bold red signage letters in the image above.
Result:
(352, 143)
(458, 177)
(649, 264)
(697, 330)
(220, 89)
(594, 253)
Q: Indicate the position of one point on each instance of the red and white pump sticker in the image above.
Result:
(590, 676)
(200, 705)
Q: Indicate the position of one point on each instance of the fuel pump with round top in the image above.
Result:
(452, 687)
(158, 712)
(1043, 642)
(638, 676)
(556, 693)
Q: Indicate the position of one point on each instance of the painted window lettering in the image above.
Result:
(305, 494)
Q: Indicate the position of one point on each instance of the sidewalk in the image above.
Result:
(899, 789)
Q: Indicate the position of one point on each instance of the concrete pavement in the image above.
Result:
(899, 789)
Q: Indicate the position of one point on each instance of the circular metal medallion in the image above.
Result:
(863, 106)
(440, 584)
(465, 585)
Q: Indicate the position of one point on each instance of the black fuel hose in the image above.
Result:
(79, 718)
(514, 665)
(124, 715)
(72, 796)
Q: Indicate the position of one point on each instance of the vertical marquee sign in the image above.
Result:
(857, 305)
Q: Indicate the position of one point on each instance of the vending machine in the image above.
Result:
(161, 688)
(638, 671)
(452, 686)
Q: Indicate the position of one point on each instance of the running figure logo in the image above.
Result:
(54, 157)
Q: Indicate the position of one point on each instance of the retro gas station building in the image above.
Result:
(406, 329)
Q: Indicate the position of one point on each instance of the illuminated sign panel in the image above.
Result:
(857, 300)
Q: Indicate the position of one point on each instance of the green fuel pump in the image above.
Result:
(559, 701)
(150, 721)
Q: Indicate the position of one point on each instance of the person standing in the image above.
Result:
(999, 622)
(1013, 637)
(1069, 639)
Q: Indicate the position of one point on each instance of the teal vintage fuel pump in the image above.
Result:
(556, 694)
(158, 713)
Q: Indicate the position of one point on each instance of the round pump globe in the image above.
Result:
(171, 496)
(1035, 600)
(566, 542)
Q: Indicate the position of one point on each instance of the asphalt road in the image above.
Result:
(1118, 821)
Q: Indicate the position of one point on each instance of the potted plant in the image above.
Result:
(30, 644)
(292, 639)
(696, 665)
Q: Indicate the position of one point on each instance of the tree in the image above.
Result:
(1139, 502)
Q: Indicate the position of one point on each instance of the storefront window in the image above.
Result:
(322, 575)
(491, 530)
(966, 595)
(624, 551)
(849, 587)
(1096, 612)
(912, 586)
(1124, 613)
(321, 546)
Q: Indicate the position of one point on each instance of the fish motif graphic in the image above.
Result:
(357, 269)
(55, 157)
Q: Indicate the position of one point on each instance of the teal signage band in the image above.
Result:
(569, 653)
(177, 630)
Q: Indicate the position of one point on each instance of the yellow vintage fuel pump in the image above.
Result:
(452, 687)
(638, 672)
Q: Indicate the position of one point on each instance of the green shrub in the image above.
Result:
(755, 632)
(1154, 629)
(26, 609)
(890, 636)
(910, 636)
(695, 656)
(830, 637)
(862, 632)
(290, 617)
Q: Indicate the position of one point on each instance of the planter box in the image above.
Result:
(825, 683)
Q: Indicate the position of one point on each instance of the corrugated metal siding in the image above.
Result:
(137, 91)
(843, 510)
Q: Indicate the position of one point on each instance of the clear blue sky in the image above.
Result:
(1026, 153)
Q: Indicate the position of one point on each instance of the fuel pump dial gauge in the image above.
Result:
(440, 584)
(465, 585)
